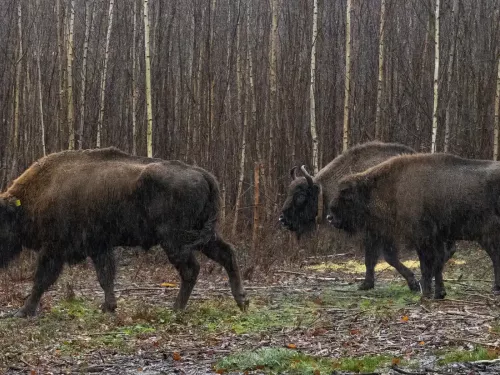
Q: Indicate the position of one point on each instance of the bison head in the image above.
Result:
(301, 205)
(348, 208)
(10, 238)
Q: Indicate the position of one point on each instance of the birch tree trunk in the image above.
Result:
(69, 50)
(61, 72)
(497, 114)
(312, 109)
(347, 91)
(39, 73)
(436, 78)
(89, 15)
(380, 81)
(273, 115)
(241, 116)
(451, 92)
(104, 74)
(134, 82)
(149, 109)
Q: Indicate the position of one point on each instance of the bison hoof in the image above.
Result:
(108, 307)
(366, 285)
(414, 285)
(439, 295)
(24, 313)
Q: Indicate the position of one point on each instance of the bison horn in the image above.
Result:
(293, 173)
(307, 175)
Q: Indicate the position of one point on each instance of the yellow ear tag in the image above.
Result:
(18, 203)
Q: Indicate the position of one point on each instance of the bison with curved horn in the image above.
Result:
(308, 196)
(77, 204)
(425, 201)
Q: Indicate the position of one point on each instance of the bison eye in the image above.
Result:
(300, 199)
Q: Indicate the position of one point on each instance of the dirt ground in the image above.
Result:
(302, 320)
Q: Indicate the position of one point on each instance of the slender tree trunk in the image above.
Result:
(273, 115)
(436, 78)
(39, 73)
(241, 116)
(312, 100)
(71, 110)
(380, 81)
(134, 82)
(149, 109)
(347, 91)
(497, 114)
(17, 92)
(104, 74)
(61, 71)
(451, 92)
(89, 13)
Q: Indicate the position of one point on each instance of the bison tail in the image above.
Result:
(208, 220)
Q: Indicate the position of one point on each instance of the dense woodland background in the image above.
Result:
(232, 73)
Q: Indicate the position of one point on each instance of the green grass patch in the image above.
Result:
(479, 353)
(281, 360)
(220, 314)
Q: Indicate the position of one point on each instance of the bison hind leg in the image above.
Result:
(188, 267)
(104, 263)
(222, 252)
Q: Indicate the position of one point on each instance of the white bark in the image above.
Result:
(436, 78)
(104, 73)
(347, 90)
(312, 100)
(149, 109)
(378, 125)
(69, 50)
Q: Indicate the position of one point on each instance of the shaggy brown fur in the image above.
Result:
(300, 210)
(75, 204)
(423, 201)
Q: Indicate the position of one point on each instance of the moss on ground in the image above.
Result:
(274, 360)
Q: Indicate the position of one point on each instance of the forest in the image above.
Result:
(248, 89)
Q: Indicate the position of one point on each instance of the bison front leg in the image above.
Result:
(48, 270)
(188, 270)
(426, 267)
(104, 263)
(221, 252)
(371, 258)
(440, 291)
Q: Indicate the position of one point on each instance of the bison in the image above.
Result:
(76, 204)
(425, 201)
(308, 197)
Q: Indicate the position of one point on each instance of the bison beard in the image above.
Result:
(426, 201)
(308, 197)
(75, 204)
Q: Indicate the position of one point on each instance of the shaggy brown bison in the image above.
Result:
(425, 201)
(307, 201)
(77, 204)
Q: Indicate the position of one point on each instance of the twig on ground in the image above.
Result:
(456, 339)
(486, 362)
(397, 369)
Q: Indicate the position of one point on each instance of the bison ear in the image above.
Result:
(293, 172)
(10, 206)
